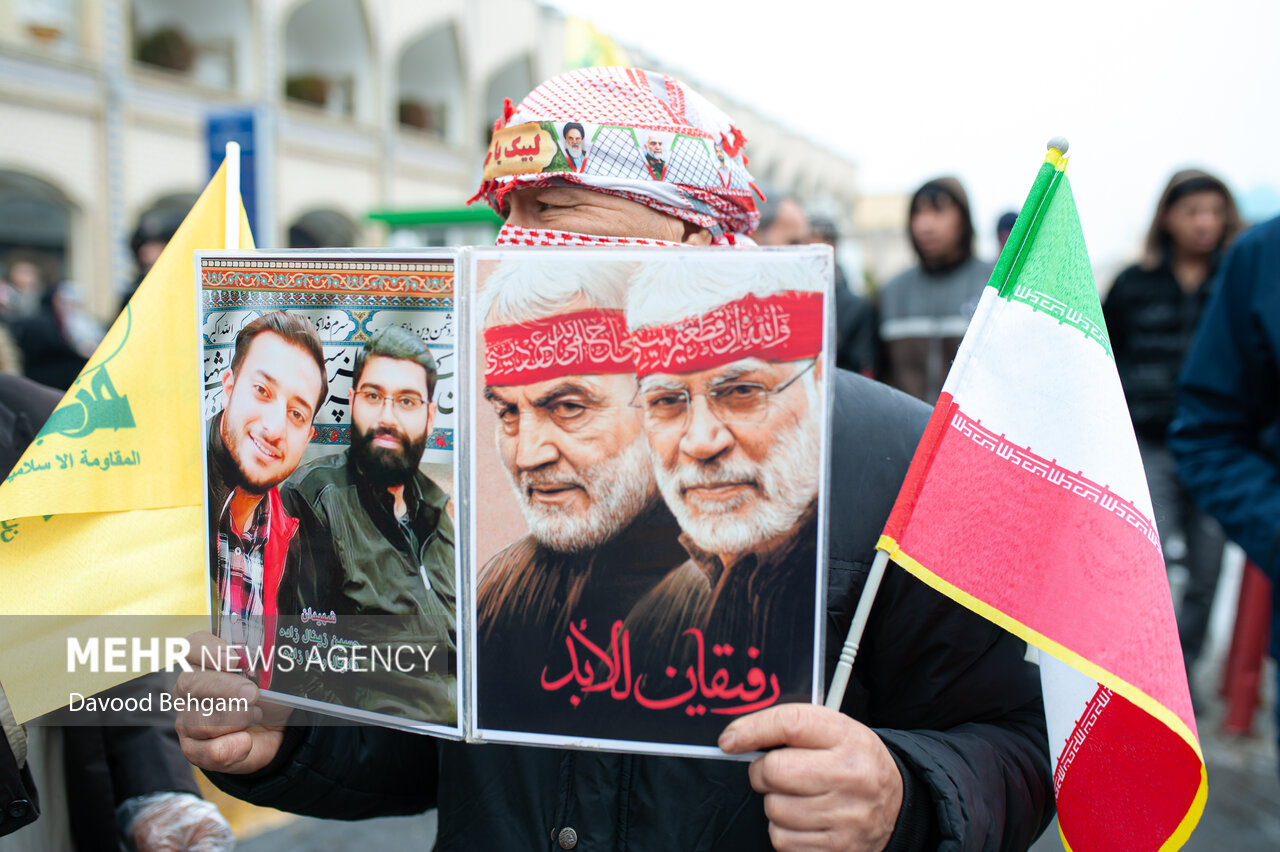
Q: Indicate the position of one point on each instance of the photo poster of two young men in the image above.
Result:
(329, 407)
(648, 460)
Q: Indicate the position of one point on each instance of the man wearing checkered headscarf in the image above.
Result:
(940, 741)
(652, 140)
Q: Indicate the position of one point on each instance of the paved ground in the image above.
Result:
(392, 834)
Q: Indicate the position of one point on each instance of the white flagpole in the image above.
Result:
(840, 680)
(231, 230)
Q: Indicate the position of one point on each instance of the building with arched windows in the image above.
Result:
(365, 107)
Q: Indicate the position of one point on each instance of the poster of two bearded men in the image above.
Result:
(655, 429)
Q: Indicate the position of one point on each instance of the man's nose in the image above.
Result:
(535, 446)
(383, 415)
(705, 435)
(273, 420)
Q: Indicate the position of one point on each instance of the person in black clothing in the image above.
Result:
(857, 335)
(783, 222)
(24, 406)
(153, 233)
(1151, 313)
(575, 146)
(48, 357)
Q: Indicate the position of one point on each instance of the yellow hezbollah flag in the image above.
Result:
(102, 516)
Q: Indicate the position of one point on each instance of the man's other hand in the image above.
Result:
(235, 742)
(828, 781)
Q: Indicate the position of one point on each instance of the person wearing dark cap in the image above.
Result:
(153, 233)
(1004, 227)
(856, 341)
(925, 310)
(1152, 312)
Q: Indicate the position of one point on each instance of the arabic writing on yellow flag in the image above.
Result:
(102, 515)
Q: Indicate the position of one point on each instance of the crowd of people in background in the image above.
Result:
(47, 332)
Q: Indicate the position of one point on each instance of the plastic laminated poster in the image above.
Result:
(551, 496)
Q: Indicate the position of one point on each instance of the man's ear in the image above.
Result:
(431, 416)
(228, 382)
(695, 236)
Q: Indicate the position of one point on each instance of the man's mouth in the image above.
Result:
(264, 450)
(386, 440)
(553, 493)
(718, 491)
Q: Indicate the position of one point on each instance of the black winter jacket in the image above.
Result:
(388, 585)
(1151, 321)
(951, 696)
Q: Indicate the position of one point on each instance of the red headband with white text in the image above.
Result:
(580, 343)
(783, 326)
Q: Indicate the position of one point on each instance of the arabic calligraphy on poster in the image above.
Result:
(593, 669)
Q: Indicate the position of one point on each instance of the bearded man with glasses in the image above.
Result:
(733, 425)
(382, 540)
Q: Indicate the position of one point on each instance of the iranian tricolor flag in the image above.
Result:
(1026, 502)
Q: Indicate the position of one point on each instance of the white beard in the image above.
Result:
(576, 153)
(786, 483)
(618, 489)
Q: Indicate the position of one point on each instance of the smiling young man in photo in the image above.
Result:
(271, 393)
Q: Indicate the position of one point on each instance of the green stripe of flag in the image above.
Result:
(1049, 269)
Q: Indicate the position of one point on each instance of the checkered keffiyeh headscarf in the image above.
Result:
(643, 136)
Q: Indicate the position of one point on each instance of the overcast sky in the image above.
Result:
(910, 90)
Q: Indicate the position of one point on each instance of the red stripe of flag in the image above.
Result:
(966, 507)
(1129, 781)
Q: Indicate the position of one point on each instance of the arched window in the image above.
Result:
(429, 83)
(327, 59)
(209, 42)
(35, 218)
